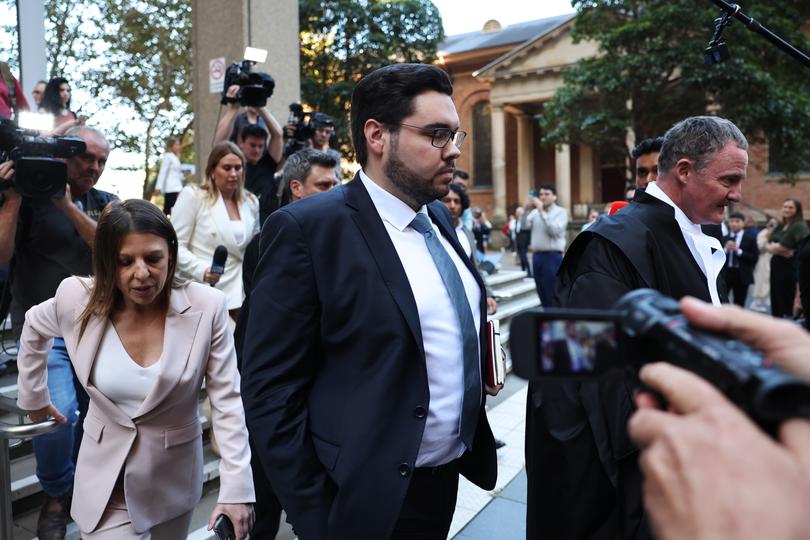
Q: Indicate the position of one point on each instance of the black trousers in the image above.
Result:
(267, 507)
(429, 504)
(736, 285)
(783, 286)
(168, 202)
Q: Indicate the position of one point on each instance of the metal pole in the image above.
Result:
(756, 27)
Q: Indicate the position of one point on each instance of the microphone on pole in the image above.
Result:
(218, 263)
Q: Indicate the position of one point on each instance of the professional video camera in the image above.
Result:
(305, 124)
(646, 326)
(36, 173)
(254, 87)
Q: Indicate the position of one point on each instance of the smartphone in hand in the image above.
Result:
(223, 528)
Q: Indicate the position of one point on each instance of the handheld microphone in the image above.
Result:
(218, 264)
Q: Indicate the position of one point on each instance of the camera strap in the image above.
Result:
(11, 86)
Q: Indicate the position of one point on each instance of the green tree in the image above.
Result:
(650, 73)
(147, 69)
(343, 40)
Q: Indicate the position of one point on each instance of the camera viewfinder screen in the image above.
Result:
(577, 346)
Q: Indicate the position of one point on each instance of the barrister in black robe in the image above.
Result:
(584, 481)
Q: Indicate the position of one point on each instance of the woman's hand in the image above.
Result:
(210, 277)
(40, 415)
(241, 515)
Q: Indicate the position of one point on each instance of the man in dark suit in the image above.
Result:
(741, 257)
(363, 355)
(582, 468)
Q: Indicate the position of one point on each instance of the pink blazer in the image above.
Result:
(160, 449)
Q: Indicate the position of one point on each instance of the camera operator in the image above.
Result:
(322, 129)
(263, 151)
(709, 472)
(50, 240)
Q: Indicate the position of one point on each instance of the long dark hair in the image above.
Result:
(117, 220)
(51, 101)
(799, 212)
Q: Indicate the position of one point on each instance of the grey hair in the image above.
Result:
(78, 130)
(300, 163)
(696, 138)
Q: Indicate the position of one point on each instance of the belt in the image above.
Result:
(551, 251)
(439, 469)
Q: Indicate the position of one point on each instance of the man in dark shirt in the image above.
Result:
(51, 239)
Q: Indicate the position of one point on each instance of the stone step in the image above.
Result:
(504, 276)
(514, 289)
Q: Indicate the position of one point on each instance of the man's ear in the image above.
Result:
(683, 169)
(376, 137)
(297, 188)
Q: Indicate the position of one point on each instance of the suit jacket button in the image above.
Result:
(404, 470)
(420, 412)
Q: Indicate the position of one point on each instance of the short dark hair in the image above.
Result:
(254, 130)
(737, 215)
(386, 95)
(459, 190)
(461, 173)
(549, 187)
(647, 146)
(298, 167)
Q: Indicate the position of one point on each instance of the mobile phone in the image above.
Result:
(223, 528)
(533, 193)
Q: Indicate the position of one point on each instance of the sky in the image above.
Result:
(461, 16)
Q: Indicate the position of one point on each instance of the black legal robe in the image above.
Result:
(584, 480)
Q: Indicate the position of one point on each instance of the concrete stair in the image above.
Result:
(513, 290)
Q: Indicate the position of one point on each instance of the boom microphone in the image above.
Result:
(218, 264)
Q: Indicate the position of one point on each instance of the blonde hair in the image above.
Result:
(208, 185)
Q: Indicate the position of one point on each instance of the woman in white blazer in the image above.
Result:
(142, 345)
(170, 178)
(218, 213)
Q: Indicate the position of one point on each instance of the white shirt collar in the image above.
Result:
(390, 208)
(705, 249)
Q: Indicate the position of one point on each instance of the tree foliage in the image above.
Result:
(148, 70)
(343, 40)
(650, 73)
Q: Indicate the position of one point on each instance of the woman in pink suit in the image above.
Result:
(141, 345)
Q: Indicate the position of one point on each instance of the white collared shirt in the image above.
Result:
(441, 334)
(706, 250)
(464, 240)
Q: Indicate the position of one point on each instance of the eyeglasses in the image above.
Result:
(441, 136)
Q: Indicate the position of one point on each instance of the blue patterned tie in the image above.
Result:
(471, 400)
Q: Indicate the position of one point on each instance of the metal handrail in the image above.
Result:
(19, 431)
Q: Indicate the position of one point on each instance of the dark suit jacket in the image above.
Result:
(333, 376)
(748, 259)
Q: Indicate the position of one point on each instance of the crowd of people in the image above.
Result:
(339, 333)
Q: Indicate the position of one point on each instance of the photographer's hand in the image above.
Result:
(709, 471)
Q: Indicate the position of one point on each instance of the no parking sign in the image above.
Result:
(216, 75)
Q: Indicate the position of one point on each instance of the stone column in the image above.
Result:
(31, 32)
(224, 28)
(525, 143)
(498, 162)
(562, 168)
(586, 179)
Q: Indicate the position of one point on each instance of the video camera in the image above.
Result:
(646, 326)
(37, 173)
(255, 87)
(305, 124)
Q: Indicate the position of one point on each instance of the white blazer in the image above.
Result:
(201, 227)
(159, 449)
(170, 177)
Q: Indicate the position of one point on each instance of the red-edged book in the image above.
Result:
(496, 363)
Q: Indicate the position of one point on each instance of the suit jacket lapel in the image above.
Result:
(384, 254)
(223, 224)
(178, 338)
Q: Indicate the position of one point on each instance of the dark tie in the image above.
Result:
(471, 400)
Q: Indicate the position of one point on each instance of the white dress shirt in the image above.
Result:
(441, 334)
(464, 240)
(706, 250)
(735, 262)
